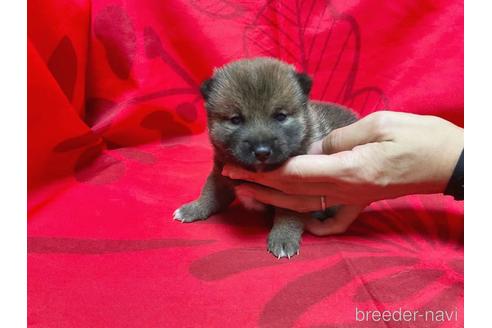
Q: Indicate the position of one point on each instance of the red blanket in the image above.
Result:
(117, 141)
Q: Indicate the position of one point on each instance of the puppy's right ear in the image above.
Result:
(206, 88)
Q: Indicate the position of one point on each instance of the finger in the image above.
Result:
(316, 148)
(280, 184)
(345, 216)
(335, 193)
(369, 129)
(236, 172)
(305, 168)
(276, 198)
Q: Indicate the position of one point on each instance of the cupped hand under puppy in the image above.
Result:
(384, 155)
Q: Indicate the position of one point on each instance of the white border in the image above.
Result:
(13, 138)
(478, 227)
(478, 164)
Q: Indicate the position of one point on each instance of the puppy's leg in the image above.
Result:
(285, 237)
(216, 195)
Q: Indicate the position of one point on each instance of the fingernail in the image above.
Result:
(241, 191)
(235, 174)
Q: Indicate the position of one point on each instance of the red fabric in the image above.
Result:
(117, 141)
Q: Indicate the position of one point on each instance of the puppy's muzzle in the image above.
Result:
(262, 152)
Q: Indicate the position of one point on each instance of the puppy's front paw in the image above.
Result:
(191, 212)
(283, 246)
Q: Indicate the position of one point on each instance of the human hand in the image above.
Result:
(384, 155)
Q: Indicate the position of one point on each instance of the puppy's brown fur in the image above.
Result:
(259, 116)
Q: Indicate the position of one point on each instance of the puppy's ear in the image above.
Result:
(305, 82)
(206, 88)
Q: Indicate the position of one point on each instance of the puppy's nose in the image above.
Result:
(262, 153)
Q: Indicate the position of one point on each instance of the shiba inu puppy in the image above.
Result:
(259, 115)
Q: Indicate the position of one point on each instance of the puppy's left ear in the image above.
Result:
(305, 82)
(206, 88)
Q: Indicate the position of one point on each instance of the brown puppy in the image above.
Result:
(259, 116)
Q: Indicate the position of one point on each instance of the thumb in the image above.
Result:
(366, 130)
(336, 225)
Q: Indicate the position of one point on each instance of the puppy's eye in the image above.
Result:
(236, 120)
(280, 117)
